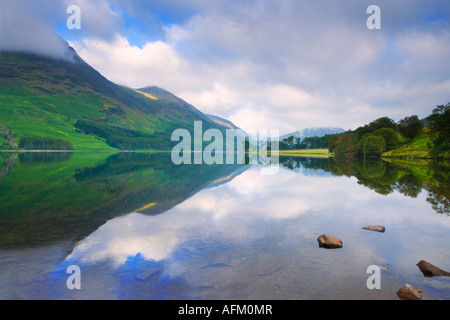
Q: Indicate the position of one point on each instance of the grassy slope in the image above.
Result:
(418, 148)
(28, 114)
(45, 97)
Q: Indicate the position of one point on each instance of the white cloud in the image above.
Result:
(154, 64)
(218, 95)
(286, 65)
(424, 54)
(273, 66)
(23, 29)
(98, 19)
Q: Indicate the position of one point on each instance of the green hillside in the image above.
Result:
(417, 148)
(44, 97)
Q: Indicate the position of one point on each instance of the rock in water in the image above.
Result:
(375, 228)
(429, 270)
(408, 292)
(329, 242)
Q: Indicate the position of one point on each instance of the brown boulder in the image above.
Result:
(408, 292)
(429, 270)
(329, 242)
(375, 228)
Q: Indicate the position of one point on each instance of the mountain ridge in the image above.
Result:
(223, 122)
(45, 96)
(313, 132)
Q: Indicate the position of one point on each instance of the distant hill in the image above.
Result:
(67, 99)
(313, 132)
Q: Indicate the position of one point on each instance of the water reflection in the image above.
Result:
(383, 177)
(37, 158)
(255, 237)
(407, 178)
(50, 197)
(236, 234)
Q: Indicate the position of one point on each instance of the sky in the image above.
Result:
(263, 64)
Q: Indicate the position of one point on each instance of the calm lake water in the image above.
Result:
(141, 228)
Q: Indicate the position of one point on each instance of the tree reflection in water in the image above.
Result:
(407, 177)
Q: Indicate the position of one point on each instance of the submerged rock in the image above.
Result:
(430, 270)
(221, 260)
(329, 242)
(408, 292)
(269, 269)
(147, 273)
(375, 228)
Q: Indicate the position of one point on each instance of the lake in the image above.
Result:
(139, 227)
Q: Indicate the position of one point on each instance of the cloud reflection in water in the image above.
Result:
(271, 223)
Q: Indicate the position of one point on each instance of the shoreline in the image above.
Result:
(313, 153)
(79, 151)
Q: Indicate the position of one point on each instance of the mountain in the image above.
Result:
(172, 101)
(238, 132)
(313, 132)
(67, 99)
(223, 122)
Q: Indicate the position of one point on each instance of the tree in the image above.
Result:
(410, 127)
(374, 145)
(439, 124)
(332, 143)
(317, 142)
(360, 145)
(390, 137)
(383, 122)
(345, 144)
(291, 143)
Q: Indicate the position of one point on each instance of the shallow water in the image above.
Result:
(236, 235)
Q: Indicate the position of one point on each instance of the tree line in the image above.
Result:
(384, 134)
(381, 135)
(294, 143)
(373, 139)
(44, 143)
(121, 138)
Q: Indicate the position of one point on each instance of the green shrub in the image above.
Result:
(390, 137)
(374, 145)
